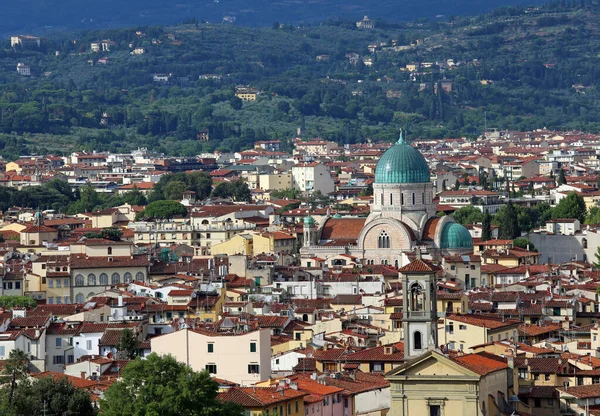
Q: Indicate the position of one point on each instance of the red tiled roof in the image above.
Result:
(342, 229)
(417, 266)
(253, 397)
(481, 363)
(395, 354)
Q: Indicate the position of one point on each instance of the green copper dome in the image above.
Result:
(308, 220)
(455, 236)
(402, 163)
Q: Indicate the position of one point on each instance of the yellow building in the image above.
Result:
(207, 305)
(246, 93)
(275, 181)
(434, 384)
(275, 242)
(463, 332)
(238, 244)
(260, 401)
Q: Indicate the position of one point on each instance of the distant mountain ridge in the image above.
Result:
(43, 15)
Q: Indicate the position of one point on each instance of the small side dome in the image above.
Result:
(308, 220)
(455, 236)
(337, 216)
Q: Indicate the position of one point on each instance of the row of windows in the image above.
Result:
(252, 368)
(173, 236)
(211, 347)
(413, 199)
(58, 300)
(59, 359)
(58, 283)
(12, 285)
(103, 279)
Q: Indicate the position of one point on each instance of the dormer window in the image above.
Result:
(110, 251)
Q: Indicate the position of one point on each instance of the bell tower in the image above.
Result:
(309, 231)
(419, 307)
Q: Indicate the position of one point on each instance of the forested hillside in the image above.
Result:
(48, 15)
(518, 68)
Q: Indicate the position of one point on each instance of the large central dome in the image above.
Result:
(402, 163)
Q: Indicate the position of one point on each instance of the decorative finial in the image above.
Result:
(401, 138)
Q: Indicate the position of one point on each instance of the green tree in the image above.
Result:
(174, 190)
(236, 103)
(523, 242)
(572, 206)
(597, 255)
(237, 190)
(506, 219)
(163, 386)
(593, 216)
(51, 397)
(128, 345)
(486, 226)
(134, 197)
(10, 302)
(111, 233)
(561, 177)
(368, 191)
(289, 193)
(16, 369)
(162, 210)
(468, 215)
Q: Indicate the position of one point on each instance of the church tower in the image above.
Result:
(419, 308)
(309, 231)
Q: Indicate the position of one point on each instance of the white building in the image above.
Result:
(311, 177)
(564, 226)
(24, 70)
(243, 358)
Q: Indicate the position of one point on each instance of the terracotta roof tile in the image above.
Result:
(481, 363)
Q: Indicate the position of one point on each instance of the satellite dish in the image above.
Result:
(597, 401)
(194, 295)
(470, 312)
(181, 320)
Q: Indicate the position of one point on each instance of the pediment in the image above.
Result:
(431, 364)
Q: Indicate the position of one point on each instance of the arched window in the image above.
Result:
(305, 318)
(65, 269)
(103, 279)
(449, 307)
(91, 279)
(115, 279)
(79, 298)
(423, 201)
(416, 297)
(382, 201)
(139, 276)
(413, 198)
(391, 199)
(79, 280)
(401, 199)
(584, 242)
(127, 277)
(383, 241)
(418, 338)
(204, 222)
(110, 251)
(396, 263)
